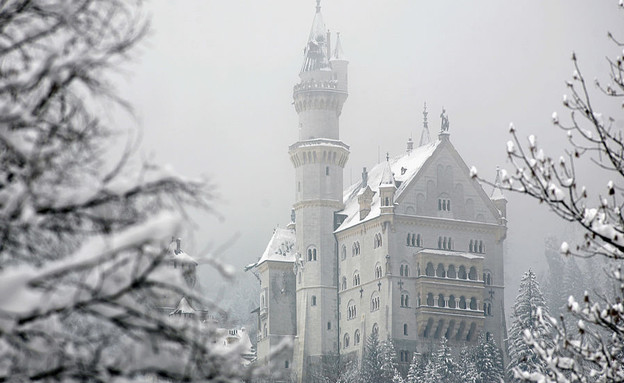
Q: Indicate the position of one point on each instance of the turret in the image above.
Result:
(387, 188)
(498, 197)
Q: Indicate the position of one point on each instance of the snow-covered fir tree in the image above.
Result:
(416, 372)
(397, 378)
(529, 304)
(444, 363)
(467, 366)
(487, 362)
(371, 371)
(388, 360)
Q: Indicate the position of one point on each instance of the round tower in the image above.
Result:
(319, 158)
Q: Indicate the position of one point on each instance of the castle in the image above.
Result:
(413, 251)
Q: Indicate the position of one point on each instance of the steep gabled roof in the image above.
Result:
(281, 247)
(401, 168)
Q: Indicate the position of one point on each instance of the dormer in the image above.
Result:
(365, 199)
(387, 189)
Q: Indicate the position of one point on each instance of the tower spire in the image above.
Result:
(318, 6)
(425, 138)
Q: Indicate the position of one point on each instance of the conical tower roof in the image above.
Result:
(425, 138)
(315, 53)
(387, 178)
(338, 52)
(497, 193)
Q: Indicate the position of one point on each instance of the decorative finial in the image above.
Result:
(444, 127)
(425, 138)
(318, 5)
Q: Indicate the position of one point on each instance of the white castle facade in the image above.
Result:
(413, 251)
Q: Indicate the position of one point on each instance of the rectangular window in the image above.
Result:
(329, 325)
(327, 170)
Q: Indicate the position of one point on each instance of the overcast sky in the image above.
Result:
(212, 89)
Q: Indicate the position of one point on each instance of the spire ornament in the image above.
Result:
(444, 127)
(425, 138)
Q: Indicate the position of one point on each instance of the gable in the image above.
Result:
(445, 180)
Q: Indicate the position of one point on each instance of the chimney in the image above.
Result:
(364, 178)
(178, 249)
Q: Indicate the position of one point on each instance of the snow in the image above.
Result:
(184, 307)
(452, 253)
(511, 148)
(281, 247)
(565, 248)
(473, 172)
(404, 168)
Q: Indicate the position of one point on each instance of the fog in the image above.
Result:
(212, 92)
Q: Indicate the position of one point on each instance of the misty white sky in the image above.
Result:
(212, 89)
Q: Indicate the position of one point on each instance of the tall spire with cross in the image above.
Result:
(425, 138)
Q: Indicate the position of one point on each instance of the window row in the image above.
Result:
(451, 301)
(452, 329)
(414, 240)
(445, 243)
(476, 246)
(346, 339)
(441, 272)
(377, 242)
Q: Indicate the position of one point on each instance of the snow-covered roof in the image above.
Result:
(338, 52)
(178, 255)
(451, 253)
(184, 307)
(316, 56)
(403, 168)
(497, 193)
(281, 247)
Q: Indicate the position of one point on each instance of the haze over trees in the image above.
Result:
(83, 249)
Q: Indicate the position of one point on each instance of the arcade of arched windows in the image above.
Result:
(451, 271)
(414, 240)
(452, 301)
(377, 241)
(356, 279)
(451, 329)
(476, 246)
(355, 249)
(445, 243)
(311, 254)
(404, 299)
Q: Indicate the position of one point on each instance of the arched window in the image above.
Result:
(343, 254)
(313, 300)
(356, 278)
(489, 309)
(374, 304)
(461, 274)
(444, 245)
(346, 340)
(356, 337)
(355, 249)
(418, 241)
(409, 239)
(378, 271)
(451, 302)
(430, 271)
(472, 275)
(462, 302)
(344, 283)
(451, 272)
(480, 246)
(414, 242)
(439, 242)
(404, 299)
(489, 279)
(401, 270)
(351, 310)
(404, 328)
(473, 303)
(311, 253)
(470, 246)
(378, 240)
(440, 271)
(450, 244)
(441, 300)
(429, 299)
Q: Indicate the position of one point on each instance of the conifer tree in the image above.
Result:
(488, 362)
(529, 305)
(467, 365)
(398, 378)
(371, 360)
(432, 374)
(444, 364)
(416, 372)
(387, 360)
